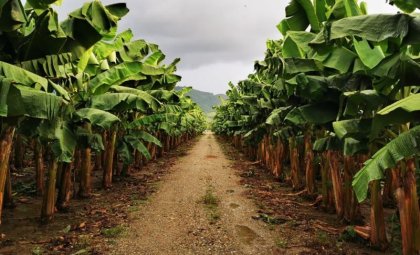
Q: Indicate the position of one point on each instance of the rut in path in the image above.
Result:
(175, 221)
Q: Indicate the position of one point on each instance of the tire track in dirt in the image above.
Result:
(175, 221)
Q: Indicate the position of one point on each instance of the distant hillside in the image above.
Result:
(206, 100)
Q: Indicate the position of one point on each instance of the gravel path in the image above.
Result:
(176, 221)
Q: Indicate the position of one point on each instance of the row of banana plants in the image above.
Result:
(334, 108)
(78, 97)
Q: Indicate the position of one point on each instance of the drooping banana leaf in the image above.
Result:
(12, 15)
(375, 28)
(127, 71)
(299, 15)
(355, 128)
(400, 112)
(26, 101)
(43, 4)
(97, 117)
(330, 142)
(313, 114)
(145, 136)
(21, 76)
(370, 56)
(406, 145)
(63, 139)
(296, 44)
(406, 5)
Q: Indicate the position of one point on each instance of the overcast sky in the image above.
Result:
(217, 40)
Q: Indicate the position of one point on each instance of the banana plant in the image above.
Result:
(334, 71)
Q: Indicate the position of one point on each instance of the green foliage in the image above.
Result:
(113, 232)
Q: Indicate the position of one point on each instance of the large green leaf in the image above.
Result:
(313, 114)
(402, 111)
(352, 8)
(21, 76)
(136, 144)
(355, 128)
(145, 95)
(370, 56)
(404, 146)
(147, 137)
(43, 4)
(406, 5)
(277, 115)
(25, 101)
(97, 117)
(296, 44)
(295, 65)
(328, 143)
(12, 15)
(340, 59)
(60, 133)
(376, 28)
(299, 15)
(359, 102)
(127, 71)
(119, 102)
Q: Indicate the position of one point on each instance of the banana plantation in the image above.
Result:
(334, 108)
(77, 97)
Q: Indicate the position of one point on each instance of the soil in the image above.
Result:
(91, 226)
(206, 198)
(176, 221)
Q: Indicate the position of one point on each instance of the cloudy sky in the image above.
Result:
(217, 40)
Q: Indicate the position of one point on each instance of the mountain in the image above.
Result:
(206, 100)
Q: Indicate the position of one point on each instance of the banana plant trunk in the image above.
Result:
(337, 186)
(98, 161)
(39, 168)
(6, 141)
(19, 147)
(327, 194)
(377, 219)
(408, 206)
(65, 187)
(85, 188)
(309, 165)
(351, 206)
(294, 163)
(109, 163)
(8, 194)
(48, 203)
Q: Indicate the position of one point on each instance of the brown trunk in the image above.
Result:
(39, 168)
(351, 206)
(309, 165)
(159, 149)
(19, 147)
(408, 205)
(65, 188)
(48, 203)
(6, 141)
(294, 164)
(388, 193)
(137, 159)
(98, 161)
(336, 182)
(85, 188)
(377, 219)
(327, 194)
(8, 194)
(103, 154)
(109, 163)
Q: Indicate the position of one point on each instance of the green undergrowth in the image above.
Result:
(211, 203)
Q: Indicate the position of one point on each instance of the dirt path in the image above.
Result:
(176, 221)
